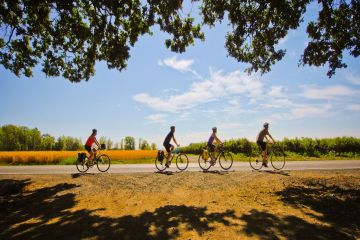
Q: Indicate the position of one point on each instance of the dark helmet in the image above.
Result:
(94, 131)
(266, 124)
(214, 129)
(172, 128)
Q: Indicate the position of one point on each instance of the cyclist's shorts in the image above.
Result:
(168, 147)
(262, 145)
(211, 147)
(88, 148)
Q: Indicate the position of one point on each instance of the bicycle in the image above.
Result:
(181, 160)
(275, 154)
(102, 161)
(224, 157)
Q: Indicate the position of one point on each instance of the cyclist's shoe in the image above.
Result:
(212, 162)
(265, 164)
(167, 164)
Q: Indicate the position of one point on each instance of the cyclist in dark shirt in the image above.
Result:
(169, 147)
(260, 141)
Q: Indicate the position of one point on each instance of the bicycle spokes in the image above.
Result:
(225, 160)
(182, 162)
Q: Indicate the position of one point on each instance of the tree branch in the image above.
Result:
(12, 32)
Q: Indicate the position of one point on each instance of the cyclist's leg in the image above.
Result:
(210, 147)
(168, 151)
(95, 151)
(263, 147)
(88, 149)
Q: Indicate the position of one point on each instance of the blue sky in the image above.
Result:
(194, 91)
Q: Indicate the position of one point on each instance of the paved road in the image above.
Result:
(132, 168)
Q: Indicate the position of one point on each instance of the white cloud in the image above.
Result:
(354, 107)
(276, 91)
(278, 103)
(298, 111)
(157, 118)
(183, 65)
(218, 85)
(332, 92)
(304, 111)
(283, 40)
(353, 78)
(173, 62)
(230, 125)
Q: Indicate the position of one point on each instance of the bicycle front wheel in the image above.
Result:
(160, 165)
(226, 160)
(81, 165)
(278, 160)
(103, 163)
(204, 164)
(255, 160)
(182, 162)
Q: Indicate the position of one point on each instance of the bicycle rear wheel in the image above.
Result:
(81, 165)
(182, 162)
(204, 164)
(255, 160)
(160, 165)
(226, 160)
(277, 159)
(103, 163)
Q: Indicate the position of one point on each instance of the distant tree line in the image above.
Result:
(21, 138)
(340, 146)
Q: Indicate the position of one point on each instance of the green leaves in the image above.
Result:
(336, 30)
(69, 37)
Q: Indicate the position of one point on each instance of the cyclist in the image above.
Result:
(260, 142)
(89, 145)
(169, 147)
(212, 146)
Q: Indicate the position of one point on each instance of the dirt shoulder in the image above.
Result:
(189, 205)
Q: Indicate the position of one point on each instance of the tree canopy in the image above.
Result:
(68, 37)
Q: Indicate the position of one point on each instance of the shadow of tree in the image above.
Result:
(335, 205)
(269, 226)
(47, 214)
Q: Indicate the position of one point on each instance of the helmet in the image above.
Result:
(266, 124)
(172, 127)
(94, 131)
(214, 128)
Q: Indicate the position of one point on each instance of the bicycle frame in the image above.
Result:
(174, 153)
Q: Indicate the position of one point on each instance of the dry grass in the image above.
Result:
(54, 157)
(189, 205)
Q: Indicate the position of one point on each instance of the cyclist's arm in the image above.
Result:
(175, 141)
(217, 139)
(271, 137)
(97, 143)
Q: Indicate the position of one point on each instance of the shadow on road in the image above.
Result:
(166, 172)
(76, 175)
(215, 172)
(275, 172)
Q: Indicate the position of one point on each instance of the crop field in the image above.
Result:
(68, 157)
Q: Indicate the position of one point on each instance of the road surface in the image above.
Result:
(194, 167)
